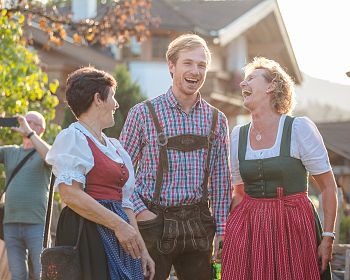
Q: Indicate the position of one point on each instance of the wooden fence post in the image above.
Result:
(347, 265)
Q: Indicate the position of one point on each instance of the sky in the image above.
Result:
(319, 31)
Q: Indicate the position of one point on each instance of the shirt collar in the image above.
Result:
(172, 101)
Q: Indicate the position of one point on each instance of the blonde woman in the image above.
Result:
(273, 231)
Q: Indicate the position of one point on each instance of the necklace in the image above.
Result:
(99, 137)
(258, 135)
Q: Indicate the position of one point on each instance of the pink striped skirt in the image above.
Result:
(271, 239)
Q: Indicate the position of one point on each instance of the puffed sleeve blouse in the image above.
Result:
(71, 158)
(306, 145)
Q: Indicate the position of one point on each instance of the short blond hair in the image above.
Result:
(283, 100)
(186, 42)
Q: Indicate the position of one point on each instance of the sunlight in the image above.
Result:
(319, 32)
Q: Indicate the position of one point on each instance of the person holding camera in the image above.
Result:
(26, 196)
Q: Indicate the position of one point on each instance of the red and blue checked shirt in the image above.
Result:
(182, 184)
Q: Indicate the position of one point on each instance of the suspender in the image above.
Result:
(185, 143)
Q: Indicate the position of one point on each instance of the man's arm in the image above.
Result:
(39, 144)
(131, 137)
(221, 186)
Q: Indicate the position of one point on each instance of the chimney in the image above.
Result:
(83, 9)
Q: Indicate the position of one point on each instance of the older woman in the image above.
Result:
(95, 178)
(273, 231)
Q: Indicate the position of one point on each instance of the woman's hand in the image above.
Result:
(148, 264)
(324, 252)
(129, 238)
(238, 194)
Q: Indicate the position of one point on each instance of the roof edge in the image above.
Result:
(288, 44)
(244, 22)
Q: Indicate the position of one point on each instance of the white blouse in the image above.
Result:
(71, 158)
(306, 145)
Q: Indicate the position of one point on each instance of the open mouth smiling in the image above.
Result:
(246, 93)
(191, 80)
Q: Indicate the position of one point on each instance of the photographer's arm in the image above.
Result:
(39, 144)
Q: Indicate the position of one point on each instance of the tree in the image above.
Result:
(23, 84)
(128, 94)
(117, 22)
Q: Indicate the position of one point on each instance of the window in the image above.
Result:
(133, 50)
(159, 46)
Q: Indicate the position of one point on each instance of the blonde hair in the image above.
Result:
(283, 100)
(186, 42)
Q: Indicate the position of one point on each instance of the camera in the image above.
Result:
(8, 122)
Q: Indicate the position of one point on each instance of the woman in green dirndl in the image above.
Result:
(273, 231)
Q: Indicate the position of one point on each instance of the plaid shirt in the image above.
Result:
(182, 184)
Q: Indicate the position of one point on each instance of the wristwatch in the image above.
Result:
(30, 134)
(329, 234)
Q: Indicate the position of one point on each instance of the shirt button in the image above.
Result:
(122, 166)
(123, 172)
(122, 179)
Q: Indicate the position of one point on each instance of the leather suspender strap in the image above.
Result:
(175, 143)
(15, 171)
(163, 158)
(162, 140)
(211, 138)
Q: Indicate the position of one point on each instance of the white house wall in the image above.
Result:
(153, 77)
(237, 54)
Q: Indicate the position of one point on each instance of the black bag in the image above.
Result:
(2, 208)
(62, 262)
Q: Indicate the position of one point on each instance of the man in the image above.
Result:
(26, 197)
(180, 146)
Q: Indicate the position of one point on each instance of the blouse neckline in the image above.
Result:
(277, 139)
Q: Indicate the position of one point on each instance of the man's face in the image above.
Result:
(189, 71)
(35, 123)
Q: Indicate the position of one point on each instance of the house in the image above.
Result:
(336, 138)
(236, 31)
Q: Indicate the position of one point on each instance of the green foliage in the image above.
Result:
(344, 234)
(128, 94)
(23, 84)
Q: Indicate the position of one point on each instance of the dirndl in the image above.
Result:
(101, 255)
(272, 238)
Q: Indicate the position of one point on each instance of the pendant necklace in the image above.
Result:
(258, 135)
(99, 137)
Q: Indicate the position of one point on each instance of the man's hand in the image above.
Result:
(148, 265)
(217, 243)
(24, 127)
(145, 215)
